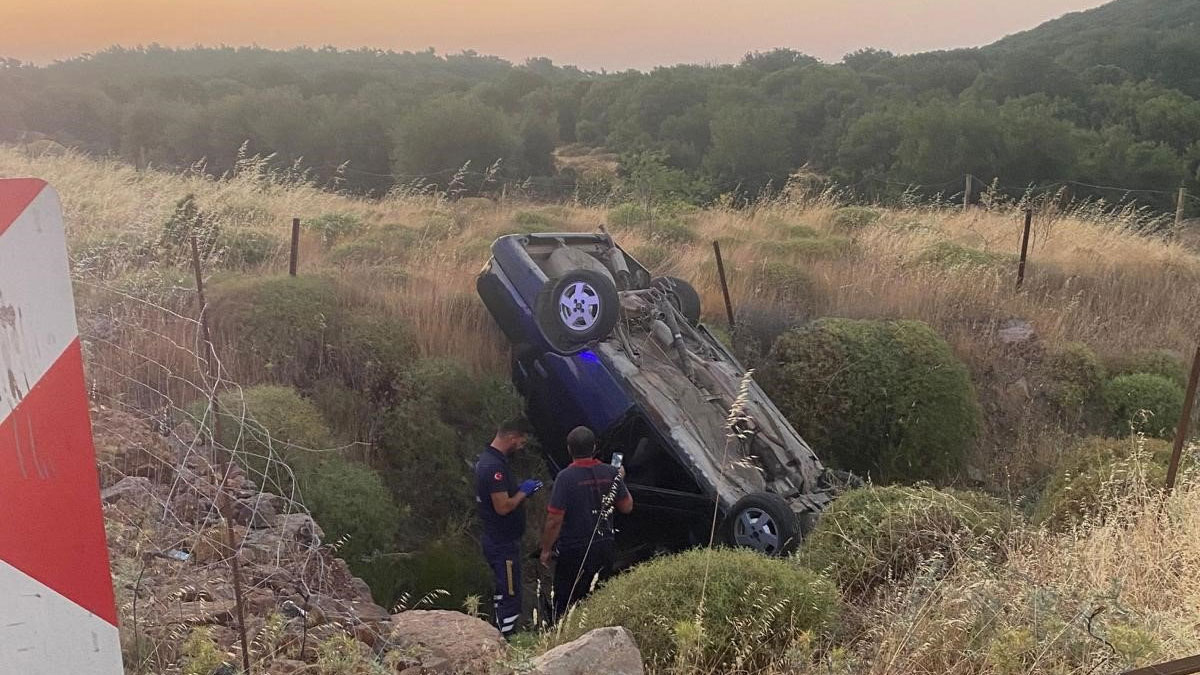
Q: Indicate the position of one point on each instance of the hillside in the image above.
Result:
(1151, 39)
(378, 370)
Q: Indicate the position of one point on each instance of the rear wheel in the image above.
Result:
(764, 522)
(683, 295)
(578, 307)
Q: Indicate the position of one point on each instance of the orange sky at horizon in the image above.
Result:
(613, 35)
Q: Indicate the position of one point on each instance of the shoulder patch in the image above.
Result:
(498, 476)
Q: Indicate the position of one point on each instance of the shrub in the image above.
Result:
(372, 349)
(1075, 374)
(440, 422)
(248, 248)
(1097, 475)
(186, 221)
(628, 215)
(855, 217)
(751, 606)
(873, 535)
(810, 248)
(270, 427)
(387, 246)
(452, 563)
(332, 227)
(671, 231)
(1162, 362)
(1143, 403)
(948, 255)
(202, 655)
(107, 254)
(885, 398)
(280, 322)
(785, 280)
(531, 222)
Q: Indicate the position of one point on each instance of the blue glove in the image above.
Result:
(530, 486)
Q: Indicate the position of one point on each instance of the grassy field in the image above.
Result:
(1095, 278)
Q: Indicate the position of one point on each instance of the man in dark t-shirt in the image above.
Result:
(500, 502)
(580, 521)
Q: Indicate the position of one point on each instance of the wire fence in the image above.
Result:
(189, 509)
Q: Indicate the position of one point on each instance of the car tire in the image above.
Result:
(683, 295)
(576, 308)
(764, 522)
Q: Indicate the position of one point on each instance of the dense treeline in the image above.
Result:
(1102, 98)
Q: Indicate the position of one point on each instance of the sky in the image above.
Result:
(593, 34)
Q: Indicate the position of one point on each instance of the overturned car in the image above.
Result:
(599, 341)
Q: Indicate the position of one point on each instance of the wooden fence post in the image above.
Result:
(1179, 205)
(967, 192)
(1024, 247)
(294, 260)
(1185, 420)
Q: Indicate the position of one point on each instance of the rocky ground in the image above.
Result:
(305, 612)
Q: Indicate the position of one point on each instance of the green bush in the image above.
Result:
(440, 422)
(752, 605)
(1075, 375)
(532, 222)
(248, 248)
(628, 215)
(372, 349)
(388, 245)
(670, 231)
(872, 535)
(269, 427)
(1162, 362)
(1143, 403)
(452, 563)
(881, 398)
(810, 248)
(948, 255)
(785, 280)
(283, 323)
(1098, 475)
(855, 217)
(333, 227)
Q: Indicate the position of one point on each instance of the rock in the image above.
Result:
(469, 646)
(301, 528)
(131, 487)
(604, 650)
(1016, 332)
(200, 612)
(286, 667)
(253, 513)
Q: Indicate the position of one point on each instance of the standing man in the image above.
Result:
(580, 520)
(501, 505)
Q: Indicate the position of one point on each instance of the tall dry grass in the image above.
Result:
(1093, 276)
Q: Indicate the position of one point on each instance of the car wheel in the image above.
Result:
(764, 522)
(683, 295)
(578, 307)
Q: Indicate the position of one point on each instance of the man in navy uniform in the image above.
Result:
(501, 505)
(580, 520)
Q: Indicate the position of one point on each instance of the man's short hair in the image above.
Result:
(581, 443)
(516, 425)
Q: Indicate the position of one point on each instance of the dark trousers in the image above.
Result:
(574, 575)
(504, 558)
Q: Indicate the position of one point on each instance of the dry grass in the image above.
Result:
(1093, 279)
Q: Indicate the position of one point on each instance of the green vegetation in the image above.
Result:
(369, 121)
(333, 227)
(877, 535)
(1143, 403)
(1161, 362)
(689, 607)
(286, 445)
(1075, 375)
(882, 398)
(948, 255)
(1100, 474)
(855, 217)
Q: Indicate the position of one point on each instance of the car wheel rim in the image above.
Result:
(756, 529)
(579, 306)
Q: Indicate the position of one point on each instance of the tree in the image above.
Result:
(449, 133)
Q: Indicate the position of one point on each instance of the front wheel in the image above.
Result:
(764, 522)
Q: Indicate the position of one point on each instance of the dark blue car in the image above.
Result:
(598, 341)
